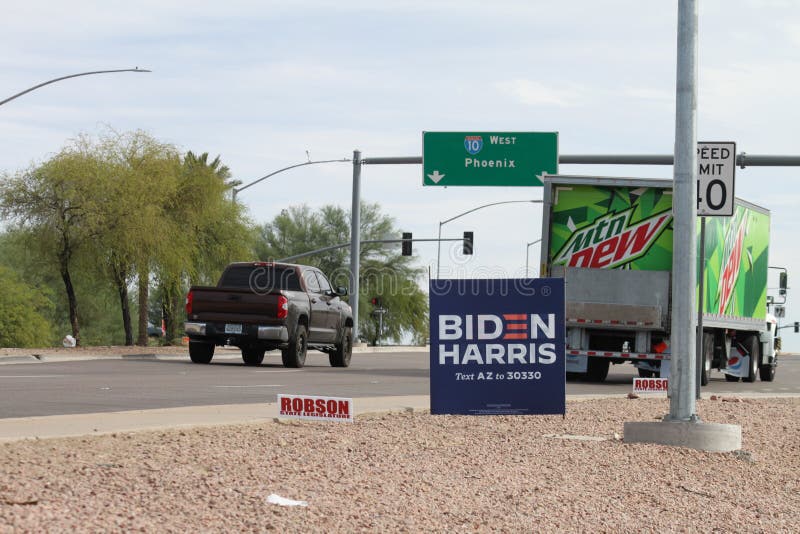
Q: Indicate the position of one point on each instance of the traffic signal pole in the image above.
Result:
(742, 160)
(355, 240)
(684, 266)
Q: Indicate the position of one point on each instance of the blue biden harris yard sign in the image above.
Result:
(497, 346)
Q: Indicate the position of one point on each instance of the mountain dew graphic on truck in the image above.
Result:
(736, 251)
(734, 240)
(611, 239)
(611, 228)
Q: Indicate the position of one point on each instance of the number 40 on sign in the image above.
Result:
(716, 169)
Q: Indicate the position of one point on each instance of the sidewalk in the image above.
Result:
(59, 426)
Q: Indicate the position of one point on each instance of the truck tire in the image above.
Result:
(340, 357)
(731, 378)
(767, 372)
(295, 354)
(252, 356)
(200, 351)
(708, 356)
(645, 373)
(753, 347)
(597, 369)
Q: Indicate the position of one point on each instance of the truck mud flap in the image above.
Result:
(738, 363)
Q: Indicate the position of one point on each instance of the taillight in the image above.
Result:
(283, 307)
(189, 299)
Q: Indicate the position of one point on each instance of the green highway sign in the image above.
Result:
(488, 158)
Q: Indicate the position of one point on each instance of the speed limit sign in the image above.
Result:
(716, 167)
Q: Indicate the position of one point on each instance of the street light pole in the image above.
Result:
(442, 223)
(54, 80)
(527, 254)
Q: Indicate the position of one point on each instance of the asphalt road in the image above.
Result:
(97, 386)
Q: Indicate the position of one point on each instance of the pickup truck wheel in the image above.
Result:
(295, 354)
(252, 356)
(201, 352)
(754, 348)
(341, 355)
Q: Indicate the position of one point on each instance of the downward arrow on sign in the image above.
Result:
(436, 177)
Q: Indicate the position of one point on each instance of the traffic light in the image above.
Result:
(377, 302)
(406, 243)
(782, 284)
(468, 243)
(796, 327)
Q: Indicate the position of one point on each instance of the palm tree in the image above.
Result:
(193, 161)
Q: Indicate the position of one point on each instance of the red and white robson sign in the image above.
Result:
(650, 385)
(315, 408)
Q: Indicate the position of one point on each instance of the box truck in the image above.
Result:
(611, 240)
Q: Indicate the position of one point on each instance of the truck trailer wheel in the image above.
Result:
(340, 357)
(708, 355)
(295, 354)
(201, 352)
(252, 356)
(752, 346)
(597, 369)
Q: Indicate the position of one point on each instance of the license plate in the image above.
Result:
(233, 329)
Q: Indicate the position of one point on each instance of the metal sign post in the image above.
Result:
(716, 174)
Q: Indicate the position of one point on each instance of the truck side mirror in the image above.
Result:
(782, 283)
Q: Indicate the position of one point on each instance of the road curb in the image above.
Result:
(221, 354)
(19, 359)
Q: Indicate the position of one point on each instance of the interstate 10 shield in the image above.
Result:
(497, 346)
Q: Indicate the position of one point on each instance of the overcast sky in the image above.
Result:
(260, 83)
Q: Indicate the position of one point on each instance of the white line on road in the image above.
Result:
(31, 376)
(254, 386)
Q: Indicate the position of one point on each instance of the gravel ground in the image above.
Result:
(413, 472)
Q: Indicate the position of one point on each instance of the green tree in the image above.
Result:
(20, 252)
(209, 231)
(133, 232)
(384, 272)
(54, 203)
(127, 211)
(24, 312)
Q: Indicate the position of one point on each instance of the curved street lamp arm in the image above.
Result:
(238, 189)
(486, 206)
(442, 223)
(137, 69)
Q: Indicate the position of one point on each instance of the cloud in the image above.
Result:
(533, 93)
(649, 93)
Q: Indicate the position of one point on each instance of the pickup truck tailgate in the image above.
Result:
(227, 305)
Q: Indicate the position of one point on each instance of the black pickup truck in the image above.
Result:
(261, 306)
